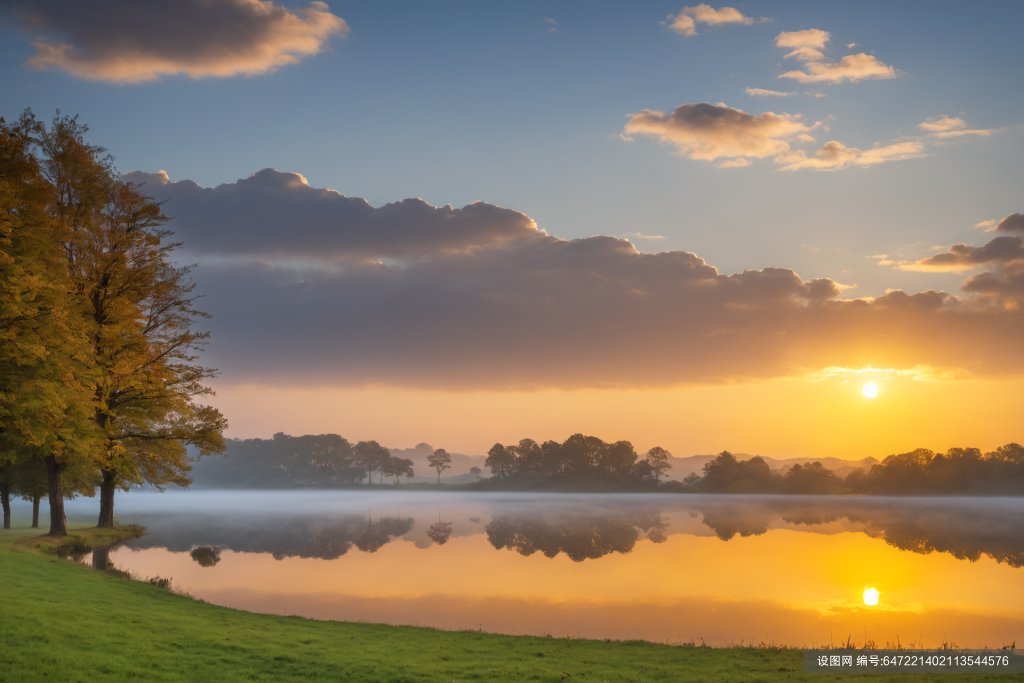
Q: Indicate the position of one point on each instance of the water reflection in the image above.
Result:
(326, 538)
(580, 539)
(205, 556)
(675, 567)
(440, 532)
(966, 529)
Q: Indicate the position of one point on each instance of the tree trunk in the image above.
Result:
(5, 498)
(35, 510)
(107, 499)
(58, 523)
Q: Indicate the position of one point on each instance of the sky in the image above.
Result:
(702, 227)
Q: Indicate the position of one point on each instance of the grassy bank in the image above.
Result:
(60, 621)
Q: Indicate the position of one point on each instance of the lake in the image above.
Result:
(669, 568)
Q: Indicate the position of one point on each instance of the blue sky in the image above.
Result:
(471, 101)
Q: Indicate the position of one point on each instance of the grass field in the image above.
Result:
(60, 621)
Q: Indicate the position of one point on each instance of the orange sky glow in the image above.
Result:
(779, 418)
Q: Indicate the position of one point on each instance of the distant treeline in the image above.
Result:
(580, 462)
(587, 463)
(958, 471)
(320, 461)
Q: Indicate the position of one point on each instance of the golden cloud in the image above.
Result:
(850, 68)
(685, 23)
(835, 155)
(947, 127)
(196, 38)
(711, 131)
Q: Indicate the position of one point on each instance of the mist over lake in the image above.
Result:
(676, 568)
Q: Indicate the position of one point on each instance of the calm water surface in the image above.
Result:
(675, 568)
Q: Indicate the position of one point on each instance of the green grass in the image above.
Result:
(63, 622)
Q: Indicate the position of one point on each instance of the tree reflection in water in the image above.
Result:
(307, 536)
(206, 556)
(964, 528)
(440, 532)
(592, 527)
(580, 539)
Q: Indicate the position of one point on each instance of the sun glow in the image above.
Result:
(870, 596)
(870, 390)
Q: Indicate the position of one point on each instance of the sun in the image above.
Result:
(870, 390)
(870, 596)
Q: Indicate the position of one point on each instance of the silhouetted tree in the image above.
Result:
(440, 461)
(726, 474)
(398, 467)
(810, 478)
(657, 459)
(501, 461)
(476, 471)
(373, 457)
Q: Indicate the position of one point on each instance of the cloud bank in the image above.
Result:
(279, 215)
(425, 301)
(1003, 283)
(107, 40)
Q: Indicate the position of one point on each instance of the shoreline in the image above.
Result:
(79, 623)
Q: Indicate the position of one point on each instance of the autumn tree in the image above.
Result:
(139, 308)
(440, 461)
(46, 384)
(29, 480)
